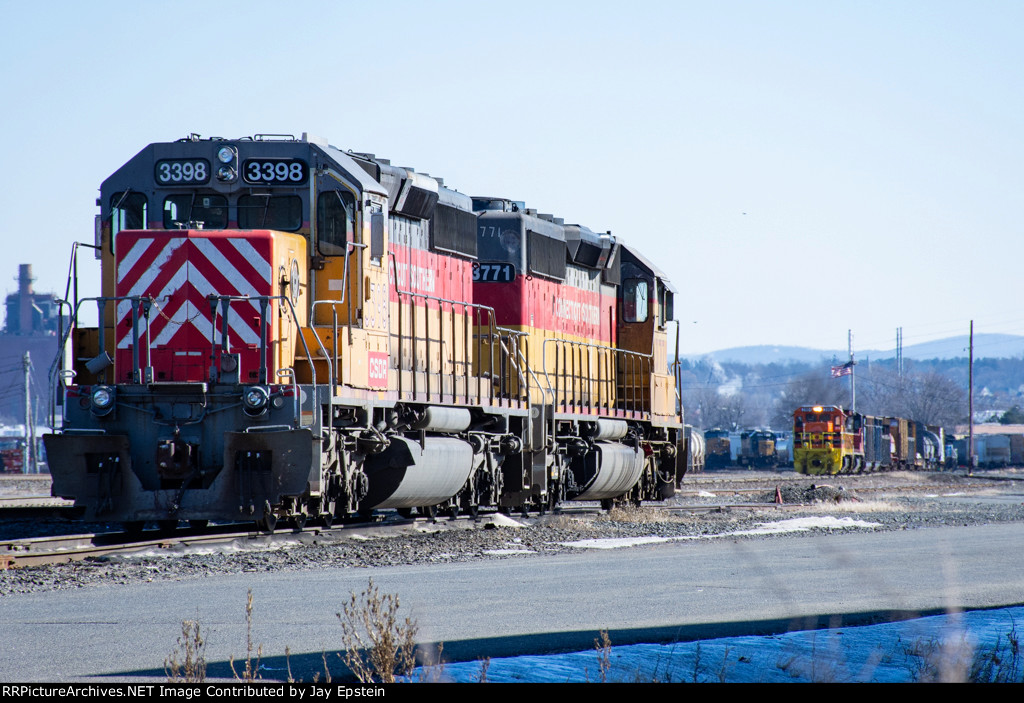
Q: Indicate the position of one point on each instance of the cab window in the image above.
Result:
(335, 221)
(198, 211)
(283, 213)
(634, 300)
(127, 211)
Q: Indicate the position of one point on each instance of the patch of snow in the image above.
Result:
(503, 552)
(802, 524)
(615, 542)
(500, 520)
(885, 653)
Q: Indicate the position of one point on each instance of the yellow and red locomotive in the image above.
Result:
(828, 440)
(288, 330)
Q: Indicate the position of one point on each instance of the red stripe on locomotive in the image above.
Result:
(430, 273)
(178, 270)
(550, 306)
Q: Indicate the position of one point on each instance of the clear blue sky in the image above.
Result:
(798, 168)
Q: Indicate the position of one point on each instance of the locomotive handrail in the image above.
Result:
(512, 356)
(632, 357)
(141, 307)
(138, 302)
(289, 372)
(470, 311)
(57, 370)
(677, 377)
(264, 300)
(542, 389)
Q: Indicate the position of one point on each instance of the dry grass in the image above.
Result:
(603, 645)
(251, 672)
(641, 516)
(378, 645)
(566, 522)
(187, 663)
(999, 664)
(855, 507)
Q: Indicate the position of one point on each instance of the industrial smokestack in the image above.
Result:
(25, 299)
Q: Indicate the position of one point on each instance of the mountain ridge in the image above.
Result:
(986, 346)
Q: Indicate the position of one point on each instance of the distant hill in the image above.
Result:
(996, 346)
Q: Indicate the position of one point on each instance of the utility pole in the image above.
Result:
(899, 352)
(29, 462)
(970, 406)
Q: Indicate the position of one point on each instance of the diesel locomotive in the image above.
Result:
(828, 439)
(289, 331)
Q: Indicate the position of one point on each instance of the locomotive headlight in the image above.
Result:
(102, 400)
(256, 400)
(226, 155)
(225, 173)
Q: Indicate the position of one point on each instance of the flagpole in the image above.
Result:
(853, 374)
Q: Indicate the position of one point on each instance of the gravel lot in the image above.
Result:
(890, 501)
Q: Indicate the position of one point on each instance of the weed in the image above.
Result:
(603, 645)
(432, 668)
(1001, 663)
(933, 660)
(251, 672)
(378, 646)
(485, 664)
(723, 670)
(187, 663)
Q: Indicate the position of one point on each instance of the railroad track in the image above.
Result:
(62, 549)
(692, 499)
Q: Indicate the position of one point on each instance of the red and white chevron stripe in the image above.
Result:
(178, 270)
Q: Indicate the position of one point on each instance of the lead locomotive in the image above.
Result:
(288, 330)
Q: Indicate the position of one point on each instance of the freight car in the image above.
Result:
(291, 331)
(829, 440)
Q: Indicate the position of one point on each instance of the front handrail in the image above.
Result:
(142, 306)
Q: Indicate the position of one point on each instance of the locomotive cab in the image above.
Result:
(646, 301)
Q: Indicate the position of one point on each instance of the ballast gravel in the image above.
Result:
(893, 502)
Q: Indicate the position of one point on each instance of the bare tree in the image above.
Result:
(934, 399)
(707, 407)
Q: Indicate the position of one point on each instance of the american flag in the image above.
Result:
(842, 370)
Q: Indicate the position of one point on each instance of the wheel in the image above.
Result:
(474, 511)
(453, 512)
(267, 524)
(607, 504)
(198, 524)
(299, 521)
(327, 516)
(429, 512)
